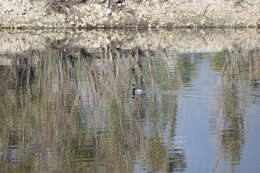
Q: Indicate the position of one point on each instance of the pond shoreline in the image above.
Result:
(167, 27)
(143, 15)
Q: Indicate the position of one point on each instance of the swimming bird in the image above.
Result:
(137, 91)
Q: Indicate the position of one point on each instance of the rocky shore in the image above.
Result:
(130, 14)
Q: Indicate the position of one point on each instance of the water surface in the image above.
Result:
(72, 110)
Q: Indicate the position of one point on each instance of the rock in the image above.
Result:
(203, 22)
(108, 11)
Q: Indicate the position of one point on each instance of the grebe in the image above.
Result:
(137, 91)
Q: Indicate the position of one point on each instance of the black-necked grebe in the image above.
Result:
(137, 91)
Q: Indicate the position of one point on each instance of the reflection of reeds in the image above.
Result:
(69, 110)
(236, 66)
(240, 64)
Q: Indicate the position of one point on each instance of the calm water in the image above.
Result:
(73, 111)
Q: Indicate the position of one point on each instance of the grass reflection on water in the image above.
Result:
(65, 110)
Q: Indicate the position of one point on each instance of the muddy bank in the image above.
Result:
(178, 41)
(131, 14)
